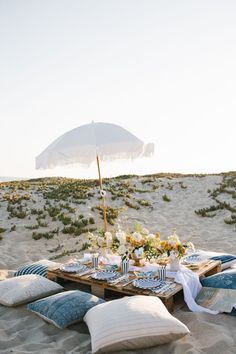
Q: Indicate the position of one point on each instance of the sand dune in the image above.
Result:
(23, 332)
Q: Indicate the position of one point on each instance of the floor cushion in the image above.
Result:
(65, 308)
(132, 323)
(224, 280)
(26, 288)
(39, 268)
(227, 260)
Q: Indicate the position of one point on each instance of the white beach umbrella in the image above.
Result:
(93, 142)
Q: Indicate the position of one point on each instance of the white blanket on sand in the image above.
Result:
(191, 287)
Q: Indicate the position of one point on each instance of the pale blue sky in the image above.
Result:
(165, 70)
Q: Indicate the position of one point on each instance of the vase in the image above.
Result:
(138, 261)
(174, 264)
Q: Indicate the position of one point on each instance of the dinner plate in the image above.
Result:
(73, 267)
(193, 259)
(147, 283)
(104, 275)
(147, 274)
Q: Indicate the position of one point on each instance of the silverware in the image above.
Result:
(117, 280)
(127, 283)
(88, 271)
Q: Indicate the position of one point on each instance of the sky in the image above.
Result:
(163, 69)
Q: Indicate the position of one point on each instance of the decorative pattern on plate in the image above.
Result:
(147, 274)
(147, 283)
(193, 259)
(73, 267)
(110, 267)
(104, 275)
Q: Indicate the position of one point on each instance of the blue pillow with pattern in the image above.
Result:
(224, 258)
(224, 280)
(65, 308)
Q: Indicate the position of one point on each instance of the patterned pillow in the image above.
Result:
(65, 308)
(224, 280)
(132, 323)
(26, 288)
(227, 260)
(39, 268)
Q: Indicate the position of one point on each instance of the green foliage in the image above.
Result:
(166, 198)
(65, 219)
(32, 227)
(13, 228)
(143, 202)
(131, 205)
(63, 254)
(16, 212)
(48, 235)
(35, 211)
(2, 230)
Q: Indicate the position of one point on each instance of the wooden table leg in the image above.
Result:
(98, 290)
(169, 303)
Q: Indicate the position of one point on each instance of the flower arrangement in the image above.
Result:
(135, 244)
(172, 247)
(100, 241)
(139, 244)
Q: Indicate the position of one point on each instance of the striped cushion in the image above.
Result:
(39, 268)
(32, 269)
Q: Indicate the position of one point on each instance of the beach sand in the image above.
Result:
(24, 332)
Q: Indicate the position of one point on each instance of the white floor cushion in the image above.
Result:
(132, 323)
(26, 288)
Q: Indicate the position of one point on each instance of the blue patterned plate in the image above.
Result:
(147, 274)
(193, 259)
(147, 283)
(73, 267)
(104, 275)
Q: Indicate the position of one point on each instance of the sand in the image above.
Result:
(23, 332)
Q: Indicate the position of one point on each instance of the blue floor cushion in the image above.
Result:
(65, 308)
(224, 280)
(225, 258)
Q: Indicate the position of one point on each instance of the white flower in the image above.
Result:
(139, 253)
(191, 247)
(173, 240)
(100, 241)
(121, 236)
(109, 239)
(173, 254)
(145, 231)
(122, 249)
(136, 236)
(151, 237)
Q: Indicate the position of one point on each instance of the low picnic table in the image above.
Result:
(102, 289)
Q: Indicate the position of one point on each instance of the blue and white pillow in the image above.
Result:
(65, 308)
(227, 260)
(223, 280)
(40, 268)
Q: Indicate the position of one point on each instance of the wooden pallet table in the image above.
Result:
(104, 290)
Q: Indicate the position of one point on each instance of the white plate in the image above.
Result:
(147, 283)
(193, 259)
(73, 268)
(104, 275)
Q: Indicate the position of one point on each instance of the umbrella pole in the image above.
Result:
(103, 197)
